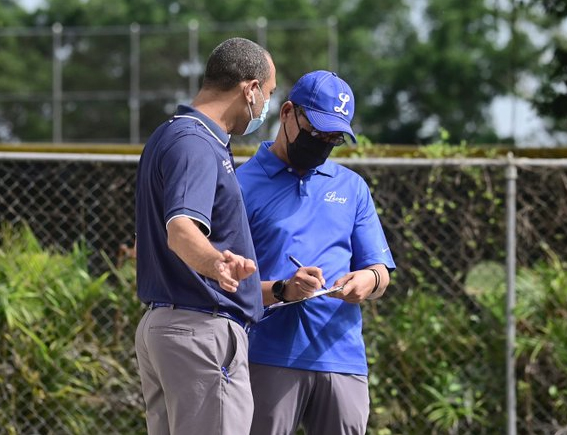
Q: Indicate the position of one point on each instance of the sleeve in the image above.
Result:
(189, 169)
(369, 244)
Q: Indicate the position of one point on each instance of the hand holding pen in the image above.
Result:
(306, 280)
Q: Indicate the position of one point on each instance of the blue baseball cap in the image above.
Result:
(327, 100)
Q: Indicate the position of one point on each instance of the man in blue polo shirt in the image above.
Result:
(307, 360)
(196, 266)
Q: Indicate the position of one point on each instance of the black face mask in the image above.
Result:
(306, 151)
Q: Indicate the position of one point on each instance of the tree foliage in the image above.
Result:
(414, 66)
(551, 98)
(443, 71)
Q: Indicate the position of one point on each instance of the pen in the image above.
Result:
(298, 264)
(295, 261)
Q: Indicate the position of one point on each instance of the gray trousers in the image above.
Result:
(194, 373)
(322, 403)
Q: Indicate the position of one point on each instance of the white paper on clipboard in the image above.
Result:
(316, 294)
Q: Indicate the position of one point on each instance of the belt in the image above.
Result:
(214, 313)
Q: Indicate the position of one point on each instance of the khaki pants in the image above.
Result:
(322, 403)
(194, 373)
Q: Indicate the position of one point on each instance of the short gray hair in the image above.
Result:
(236, 60)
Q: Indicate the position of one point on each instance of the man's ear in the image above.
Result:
(286, 110)
(249, 90)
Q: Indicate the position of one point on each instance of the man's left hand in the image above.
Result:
(357, 286)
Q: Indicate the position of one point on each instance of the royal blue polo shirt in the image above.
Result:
(327, 219)
(186, 171)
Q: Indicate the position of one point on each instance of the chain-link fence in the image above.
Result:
(439, 343)
(128, 78)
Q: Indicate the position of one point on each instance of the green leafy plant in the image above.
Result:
(422, 377)
(54, 356)
(437, 364)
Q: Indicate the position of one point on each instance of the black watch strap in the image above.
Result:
(278, 289)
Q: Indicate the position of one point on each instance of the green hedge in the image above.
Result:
(430, 371)
(67, 351)
(436, 366)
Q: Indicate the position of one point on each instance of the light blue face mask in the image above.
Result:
(255, 123)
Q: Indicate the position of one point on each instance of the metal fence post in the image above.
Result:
(195, 66)
(262, 37)
(134, 83)
(57, 84)
(261, 31)
(511, 177)
(332, 26)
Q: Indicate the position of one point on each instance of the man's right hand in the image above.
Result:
(233, 268)
(304, 283)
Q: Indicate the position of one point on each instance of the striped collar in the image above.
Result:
(184, 111)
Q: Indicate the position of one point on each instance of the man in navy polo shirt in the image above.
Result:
(307, 360)
(196, 266)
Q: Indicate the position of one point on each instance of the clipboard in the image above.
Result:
(316, 294)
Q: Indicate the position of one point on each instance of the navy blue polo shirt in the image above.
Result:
(325, 218)
(186, 171)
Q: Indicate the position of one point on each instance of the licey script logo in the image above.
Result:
(333, 197)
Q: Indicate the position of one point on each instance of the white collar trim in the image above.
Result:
(206, 126)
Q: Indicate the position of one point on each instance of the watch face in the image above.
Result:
(278, 289)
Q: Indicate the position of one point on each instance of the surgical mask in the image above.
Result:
(255, 123)
(306, 151)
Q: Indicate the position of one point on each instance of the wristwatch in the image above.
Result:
(278, 288)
